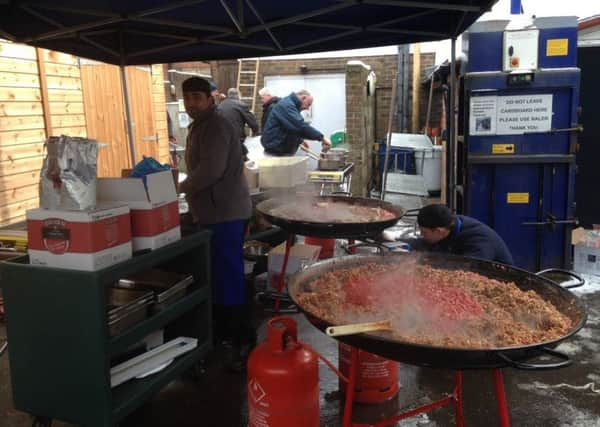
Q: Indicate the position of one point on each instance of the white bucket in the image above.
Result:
(429, 165)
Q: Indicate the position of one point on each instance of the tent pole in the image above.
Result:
(451, 147)
(129, 119)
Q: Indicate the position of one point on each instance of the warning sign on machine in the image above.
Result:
(510, 115)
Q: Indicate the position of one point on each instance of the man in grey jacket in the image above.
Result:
(238, 114)
(219, 200)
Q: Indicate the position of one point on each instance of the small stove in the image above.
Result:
(339, 180)
(331, 177)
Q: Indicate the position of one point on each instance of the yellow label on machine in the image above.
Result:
(517, 198)
(503, 148)
(557, 47)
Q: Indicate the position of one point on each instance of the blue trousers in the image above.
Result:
(227, 262)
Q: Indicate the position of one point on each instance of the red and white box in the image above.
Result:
(154, 207)
(79, 240)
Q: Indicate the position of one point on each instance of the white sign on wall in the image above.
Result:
(510, 115)
(483, 115)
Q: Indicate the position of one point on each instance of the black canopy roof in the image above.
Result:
(162, 31)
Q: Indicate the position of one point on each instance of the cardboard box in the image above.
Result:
(586, 251)
(300, 256)
(79, 240)
(154, 207)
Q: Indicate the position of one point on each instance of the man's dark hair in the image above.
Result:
(196, 84)
(433, 216)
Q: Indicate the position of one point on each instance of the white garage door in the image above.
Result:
(328, 112)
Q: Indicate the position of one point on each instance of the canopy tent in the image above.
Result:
(164, 31)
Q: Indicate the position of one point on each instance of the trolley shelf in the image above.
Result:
(60, 350)
(132, 394)
(121, 342)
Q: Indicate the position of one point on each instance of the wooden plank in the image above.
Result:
(62, 70)
(59, 121)
(14, 65)
(21, 109)
(16, 50)
(59, 57)
(140, 89)
(160, 107)
(20, 179)
(20, 94)
(18, 80)
(63, 82)
(161, 123)
(12, 220)
(15, 195)
(21, 123)
(66, 107)
(20, 166)
(8, 138)
(105, 116)
(9, 212)
(62, 95)
(44, 90)
(22, 151)
(71, 131)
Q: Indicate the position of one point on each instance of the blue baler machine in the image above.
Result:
(520, 124)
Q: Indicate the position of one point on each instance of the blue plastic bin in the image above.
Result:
(401, 159)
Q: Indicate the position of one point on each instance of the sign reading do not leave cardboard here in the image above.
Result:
(510, 115)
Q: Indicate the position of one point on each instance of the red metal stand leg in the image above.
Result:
(347, 421)
(501, 398)
(281, 283)
(458, 399)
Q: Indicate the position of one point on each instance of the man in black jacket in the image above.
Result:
(442, 231)
(238, 114)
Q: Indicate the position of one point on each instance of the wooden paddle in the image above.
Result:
(359, 328)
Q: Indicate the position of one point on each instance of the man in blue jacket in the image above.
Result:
(285, 129)
(442, 231)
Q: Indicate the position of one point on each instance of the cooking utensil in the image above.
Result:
(312, 227)
(449, 357)
(310, 153)
(358, 328)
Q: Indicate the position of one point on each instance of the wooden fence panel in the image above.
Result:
(80, 101)
(105, 113)
(142, 112)
(160, 112)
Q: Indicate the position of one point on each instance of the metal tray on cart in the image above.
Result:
(126, 308)
(167, 287)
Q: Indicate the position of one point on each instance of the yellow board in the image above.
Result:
(503, 148)
(557, 47)
(517, 198)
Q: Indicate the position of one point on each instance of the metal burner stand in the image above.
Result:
(455, 398)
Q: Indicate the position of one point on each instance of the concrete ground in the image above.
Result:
(565, 397)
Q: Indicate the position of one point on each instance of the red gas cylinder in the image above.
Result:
(376, 378)
(327, 246)
(283, 380)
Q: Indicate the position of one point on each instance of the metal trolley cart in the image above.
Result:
(60, 347)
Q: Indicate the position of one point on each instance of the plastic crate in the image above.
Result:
(282, 172)
(400, 160)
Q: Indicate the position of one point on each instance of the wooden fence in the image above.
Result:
(49, 93)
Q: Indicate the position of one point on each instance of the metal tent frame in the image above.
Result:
(165, 31)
